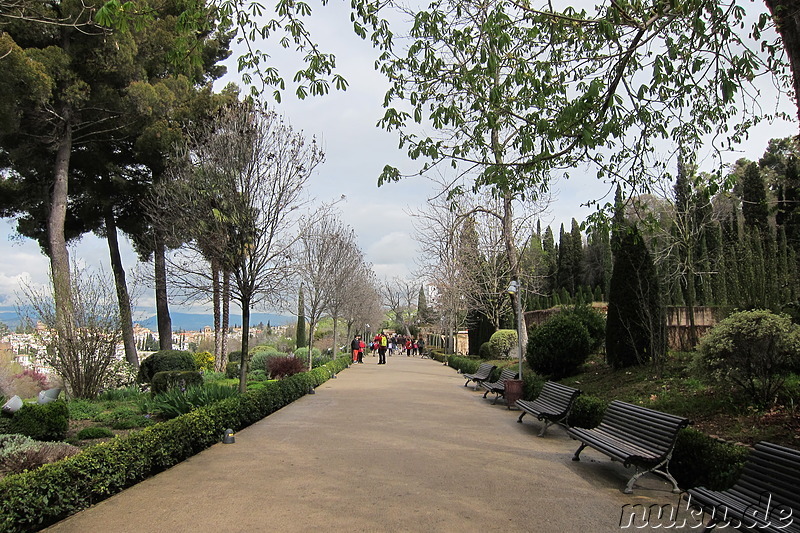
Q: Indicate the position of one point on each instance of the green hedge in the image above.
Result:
(41, 497)
(46, 422)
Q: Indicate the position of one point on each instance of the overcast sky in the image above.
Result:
(356, 152)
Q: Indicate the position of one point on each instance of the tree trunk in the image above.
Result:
(787, 22)
(123, 298)
(226, 316)
(57, 244)
(216, 292)
(335, 350)
(513, 262)
(162, 302)
(245, 359)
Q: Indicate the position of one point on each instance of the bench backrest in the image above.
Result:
(772, 470)
(652, 430)
(484, 370)
(506, 374)
(558, 394)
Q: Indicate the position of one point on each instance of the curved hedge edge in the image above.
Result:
(33, 500)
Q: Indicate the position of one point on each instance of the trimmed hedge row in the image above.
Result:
(36, 499)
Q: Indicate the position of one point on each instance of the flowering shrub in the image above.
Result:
(282, 367)
(204, 360)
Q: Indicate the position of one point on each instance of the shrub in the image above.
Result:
(463, 364)
(232, 370)
(586, 412)
(37, 454)
(94, 433)
(485, 351)
(12, 443)
(700, 460)
(559, 347)
(235, 356)
(595, 324)
(175, 379)
(502, 342)
(257, 375)
(750, 352)
(281, 367)
(46, 422)
(204, 361)
(120, 374)
(532, 384)
(163, 361)
(39, 379)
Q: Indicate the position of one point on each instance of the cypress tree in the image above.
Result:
(564, 273)
(754, 199)
(301, 338)
(576, 263)
(635, 326)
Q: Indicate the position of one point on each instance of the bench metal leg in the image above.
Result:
(547, 424)
(576, 457)
(656, 470)
(519, 420)
(485, 393)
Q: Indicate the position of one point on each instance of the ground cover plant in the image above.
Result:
(674, 387)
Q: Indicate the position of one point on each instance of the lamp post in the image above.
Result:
(515, 292)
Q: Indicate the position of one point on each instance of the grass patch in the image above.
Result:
(674, 389)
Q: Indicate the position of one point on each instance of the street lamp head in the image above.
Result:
(513, 287)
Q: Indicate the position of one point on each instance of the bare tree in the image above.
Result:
(249, 168)
(480, 237)
(87, 362)
(326, 249)
(400, 299)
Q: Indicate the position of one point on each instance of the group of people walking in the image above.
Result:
(381, 344)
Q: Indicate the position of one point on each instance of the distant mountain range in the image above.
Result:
(180, 321)
(196, 322)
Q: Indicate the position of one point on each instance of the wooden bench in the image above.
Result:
(484, 371)
(635, 436)
(552, 406)
(765, 498)
(499, 387)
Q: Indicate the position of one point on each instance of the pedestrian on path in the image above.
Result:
(355, 346)
(383, 343)
(361, 347)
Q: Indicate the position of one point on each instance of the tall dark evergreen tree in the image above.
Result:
(565, 268)
(635, 325)
(754, 199)
(301, 338)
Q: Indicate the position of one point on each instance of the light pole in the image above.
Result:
(514, 291)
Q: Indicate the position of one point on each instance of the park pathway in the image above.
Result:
(383, 448)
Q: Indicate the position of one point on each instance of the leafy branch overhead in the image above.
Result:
(551, 89)
(256, 23)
